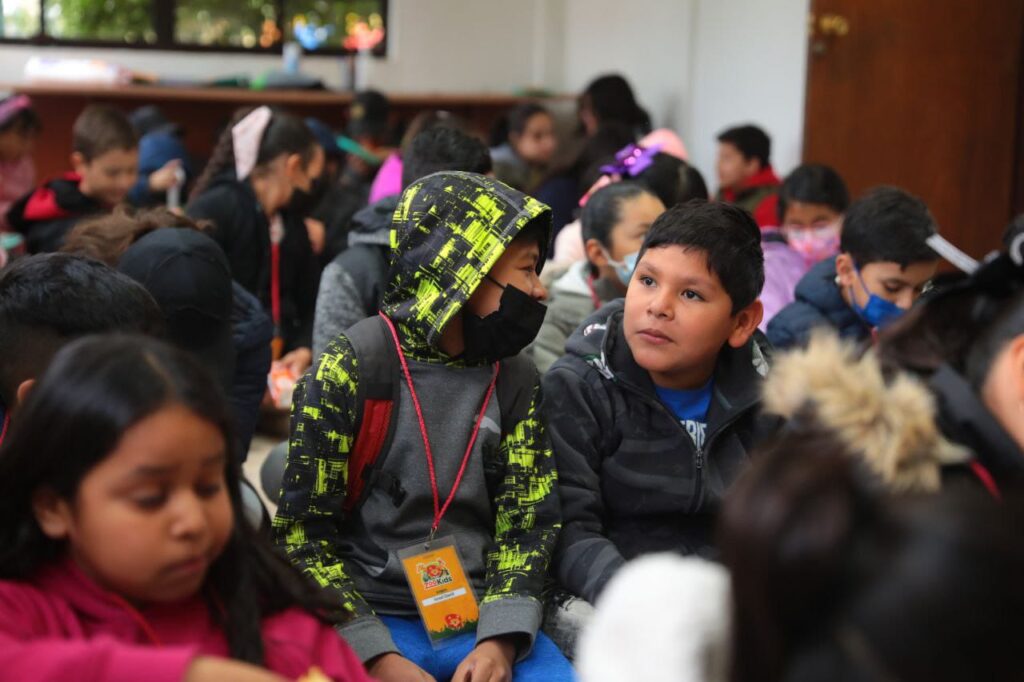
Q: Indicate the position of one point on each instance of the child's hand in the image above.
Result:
(490, 661)
(317, 235)
(396, 668)
(165, 178)
(299, 360)
(215, 669)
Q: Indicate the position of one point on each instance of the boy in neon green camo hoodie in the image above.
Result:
(463, 299)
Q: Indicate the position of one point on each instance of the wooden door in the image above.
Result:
(926, 95)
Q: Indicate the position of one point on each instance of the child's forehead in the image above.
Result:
(682, 262)
(114, 157)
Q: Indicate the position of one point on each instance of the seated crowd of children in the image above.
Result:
(755, 437)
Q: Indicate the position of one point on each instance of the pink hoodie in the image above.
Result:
(62, 626)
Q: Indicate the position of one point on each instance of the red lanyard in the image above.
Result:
(276, 236)
(439, 510)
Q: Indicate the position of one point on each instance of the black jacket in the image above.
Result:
(46, 214)
(631, 479)
(243, 231)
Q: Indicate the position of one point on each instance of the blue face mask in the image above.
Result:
(878, 312)
(625, 267)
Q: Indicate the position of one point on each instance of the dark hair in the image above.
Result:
(49, 299)
(668, 177)
(428, 120)
(515, 121)
(96, 389)
(444, 149)
(107, 237)
(751, 141)
(24, 122)
(726, 234)
(835, 580)
(888, 225)
(285, 134)
(813, 183)
(611, 99)
(537, 231)
(604, 209)
(100, 129)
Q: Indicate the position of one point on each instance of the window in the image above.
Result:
(320, 26)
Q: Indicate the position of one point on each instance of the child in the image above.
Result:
(745, 175)
(812, 201)
(19, 128)
(654, 408)
(104, 160)
(261, 162)
(187, 272)
(882, 269)
(522, 159)
(464, 297)
(49, 300)
(615, 221)
(834, 580)
(353, 284)
(123, 552)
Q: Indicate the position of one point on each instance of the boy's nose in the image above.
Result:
(660, 304)
(539, 292)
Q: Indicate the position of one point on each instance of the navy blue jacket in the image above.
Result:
(818, 303)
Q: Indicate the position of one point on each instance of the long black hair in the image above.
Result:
(94, 390)
(285, 134)
(835, 579)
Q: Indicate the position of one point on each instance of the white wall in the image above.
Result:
(750, 65)
(698, 66)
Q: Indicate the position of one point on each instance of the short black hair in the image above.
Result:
(100, 129)
(444, 149)
(752, 142)
(888, 225)
(726, 234)
(604, 208)
(50, 299)
(813, 183)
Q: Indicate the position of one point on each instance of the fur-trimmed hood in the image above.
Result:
(890, 422)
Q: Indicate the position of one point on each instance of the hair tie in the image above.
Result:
(12, 105)
(632, 160)
(246, 136)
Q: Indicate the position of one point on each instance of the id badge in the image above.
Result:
(443, 594)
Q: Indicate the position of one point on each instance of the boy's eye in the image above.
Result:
(893, 289)
(208, 490)
(692, 295)
(150, 501)
(646, 281)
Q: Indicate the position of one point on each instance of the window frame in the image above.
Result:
(163, 22)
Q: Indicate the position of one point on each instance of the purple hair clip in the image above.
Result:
(632, 160)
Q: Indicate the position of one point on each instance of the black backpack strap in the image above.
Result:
(377, 398)
(516, 382)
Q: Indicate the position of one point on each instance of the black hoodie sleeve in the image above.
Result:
(579, 424)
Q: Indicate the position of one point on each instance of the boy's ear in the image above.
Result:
(745, 323)
(596, 253)
(846, 271)
(78, 162)
(752, 166)
(53, 513)
(21, 394)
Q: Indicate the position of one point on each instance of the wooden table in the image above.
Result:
(202, 111)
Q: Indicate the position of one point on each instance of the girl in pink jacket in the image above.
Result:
(123, 552)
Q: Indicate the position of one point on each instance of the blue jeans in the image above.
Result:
(544, 664)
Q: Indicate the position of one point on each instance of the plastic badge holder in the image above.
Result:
(443, 594)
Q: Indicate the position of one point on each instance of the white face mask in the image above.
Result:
(623, 268)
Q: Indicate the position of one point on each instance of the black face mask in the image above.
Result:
(304, 201)
(505, 332)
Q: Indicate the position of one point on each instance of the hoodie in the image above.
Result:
(62, 626)
(47, 214)
(631, 480)
(758, 195)
(243, 231)
(353, 283)
(449, 230)
(818, 303)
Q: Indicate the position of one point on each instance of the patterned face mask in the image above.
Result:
(815, 244)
